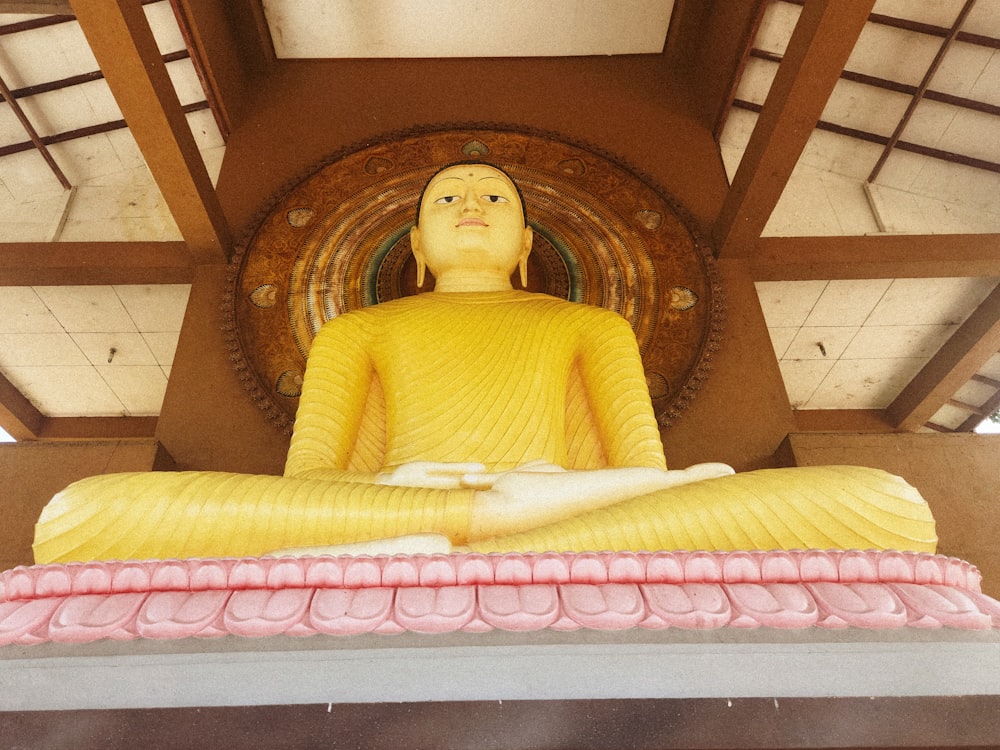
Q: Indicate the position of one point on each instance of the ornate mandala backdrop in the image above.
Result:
(338, 241)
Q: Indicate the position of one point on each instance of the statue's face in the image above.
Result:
(470, 218)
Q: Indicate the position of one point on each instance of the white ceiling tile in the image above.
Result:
(992, 367)
(101, 100)
(788, 303)
(83, 159)
(957, 184)
(776, 27)
(851, 209)
(27, 177)
(802, 377)
(975, 393)
(863, 107)
(986, 88)
(756, 80)
(22, 311)
(86, 308)
(59, 111)
(163, 24)
(39, 350)
(984, 19)
(158, 307)
(804, 208)
(841, 154)
(131, 158)
(930, 301)
(929, 122)
(963, 66)
(781, 338)
(949, 416)
(936, 12)
(11, 129)
(864, 383)
(140, 389)
(894, 54)
(901, 169)
(972, 133)
(186, 81)
(163, 344)
(205, 130)
(847, 302)
(66, 53)
(124, 229)
(884, 342)
(820, 342)
(120, 349)
(518, 28)
(66, 391)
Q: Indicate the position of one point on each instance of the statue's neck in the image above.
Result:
(472, 281)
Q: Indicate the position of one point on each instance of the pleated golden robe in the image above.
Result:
(499, 378)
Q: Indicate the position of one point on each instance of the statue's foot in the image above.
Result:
(411, 544)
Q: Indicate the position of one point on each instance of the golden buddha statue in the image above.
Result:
(477, 417)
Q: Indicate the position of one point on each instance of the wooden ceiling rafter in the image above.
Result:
(925, 83)
(884, 256)
(121, 40)
(820, 46)
(81, 263)
(954, 364)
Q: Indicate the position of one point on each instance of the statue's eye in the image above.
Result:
(496, 199)
(447, 199)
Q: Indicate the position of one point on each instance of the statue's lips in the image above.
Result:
(472, 222)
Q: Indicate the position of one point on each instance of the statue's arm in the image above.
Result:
(334, 391)
(611, 367)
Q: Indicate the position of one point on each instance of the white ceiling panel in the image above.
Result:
(935, 12)
(892, 53)
(776, 27)
(466, 28)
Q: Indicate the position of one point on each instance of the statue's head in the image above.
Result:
(471, 221)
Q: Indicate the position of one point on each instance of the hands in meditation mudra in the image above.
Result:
(477, 417)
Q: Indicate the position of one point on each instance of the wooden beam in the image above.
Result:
(126, 52)
(18, 416)
(44, 7)
(820, 46)
(97, 428)
(843, 420)
(975, 341)
(886, 256)
(50, 264)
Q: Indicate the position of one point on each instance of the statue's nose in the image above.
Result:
(471, 203)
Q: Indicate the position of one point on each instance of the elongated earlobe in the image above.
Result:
(522, 266)
(421, 272)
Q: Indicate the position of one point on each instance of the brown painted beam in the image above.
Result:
(975, 341)
(50, 264)
(18, 416)
(126, 52)
(820, 46)
(888, 256)
(97, 428)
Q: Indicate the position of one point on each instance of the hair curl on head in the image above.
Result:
(471, 162)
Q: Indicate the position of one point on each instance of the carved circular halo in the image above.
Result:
(339, 241)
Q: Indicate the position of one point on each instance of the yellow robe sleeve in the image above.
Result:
(611, 370)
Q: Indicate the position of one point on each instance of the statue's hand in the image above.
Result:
(438, 475)
(485, 480)
(522, 499)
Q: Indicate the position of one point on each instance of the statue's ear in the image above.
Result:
(522, 262)
(418, 256)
